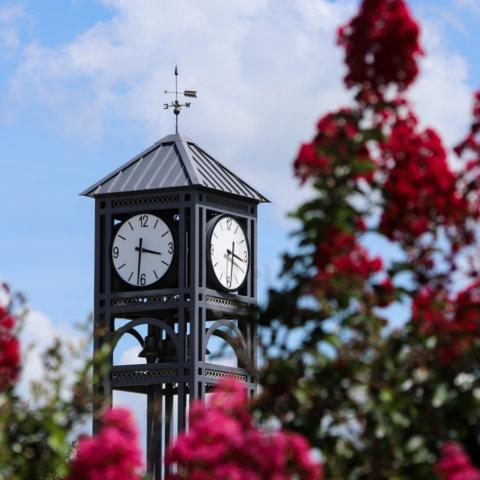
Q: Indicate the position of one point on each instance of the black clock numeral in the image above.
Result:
(245, 256)
(143, 221)
(211, 249)
(143, 279)
(115, 252)
(229, 223)
(170, 247)
(229, 281)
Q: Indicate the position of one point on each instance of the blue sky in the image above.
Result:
(81, 85)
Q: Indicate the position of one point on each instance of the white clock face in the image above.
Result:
(229, 253)
(142, 250)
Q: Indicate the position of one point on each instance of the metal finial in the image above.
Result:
(177, 107)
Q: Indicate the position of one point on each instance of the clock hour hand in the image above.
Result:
(233, 254)
(146, 250)
(227, 256)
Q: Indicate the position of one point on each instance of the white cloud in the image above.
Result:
(472, 6)
(442, 95)
(37, 335)
(130, 356)
(265, 71)
(12, 18)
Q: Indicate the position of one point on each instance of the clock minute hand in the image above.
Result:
(231, 268)
(139, 249)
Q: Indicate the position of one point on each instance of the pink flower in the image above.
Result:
(113, 454)
(343, 263)
(381, 47)
(338, 142)
(222, 442)
(454, 464)
(9, 350)
(455, 321)
(420, 190)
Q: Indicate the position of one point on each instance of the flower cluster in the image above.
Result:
(381, 47)
(469, 149)
(343, 263)
(113, 454)
(455, 322)
(454, 464)
(420, 189)
(338, 143)
(222, 442)
(472, 141)
(9, 350)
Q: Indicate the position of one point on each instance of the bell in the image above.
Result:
(151, 349)
(168, 352)
(164, 350)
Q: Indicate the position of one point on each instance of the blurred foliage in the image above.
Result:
(39, 426)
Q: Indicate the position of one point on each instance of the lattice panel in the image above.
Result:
(226, 303)
(144, 201)
(122, 302)
(226, 204)
(142, 373)
(217, 374)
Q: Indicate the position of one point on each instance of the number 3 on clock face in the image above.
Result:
(142, 250)
(229, 255)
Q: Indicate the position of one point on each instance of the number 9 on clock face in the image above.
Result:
(142, 250)
(228, 252)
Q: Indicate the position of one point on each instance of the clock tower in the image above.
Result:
(175, 258)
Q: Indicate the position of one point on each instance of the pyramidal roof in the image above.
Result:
(175, 161)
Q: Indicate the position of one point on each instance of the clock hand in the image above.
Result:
(139, 249)
(234, 255)
(231, 268)
(235, 264)
(146, 250)
(226, 269)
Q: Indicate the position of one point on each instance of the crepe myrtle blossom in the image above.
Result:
(381, 47)
(454, 464)
(9, 348)
(454, 321)
(112, 454)
(222, 442)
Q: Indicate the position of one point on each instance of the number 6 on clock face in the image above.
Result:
(142, 250)
(228, 254)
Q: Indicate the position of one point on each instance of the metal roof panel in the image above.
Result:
(174, 161)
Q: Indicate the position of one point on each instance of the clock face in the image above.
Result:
(229, 253)
(142, 250)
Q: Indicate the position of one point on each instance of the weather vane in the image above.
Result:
(177, 107)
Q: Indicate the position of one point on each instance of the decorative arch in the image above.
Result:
(230, 339)
(130, 329)
(134, 334)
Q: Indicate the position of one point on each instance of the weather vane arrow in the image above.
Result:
(176, 105)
